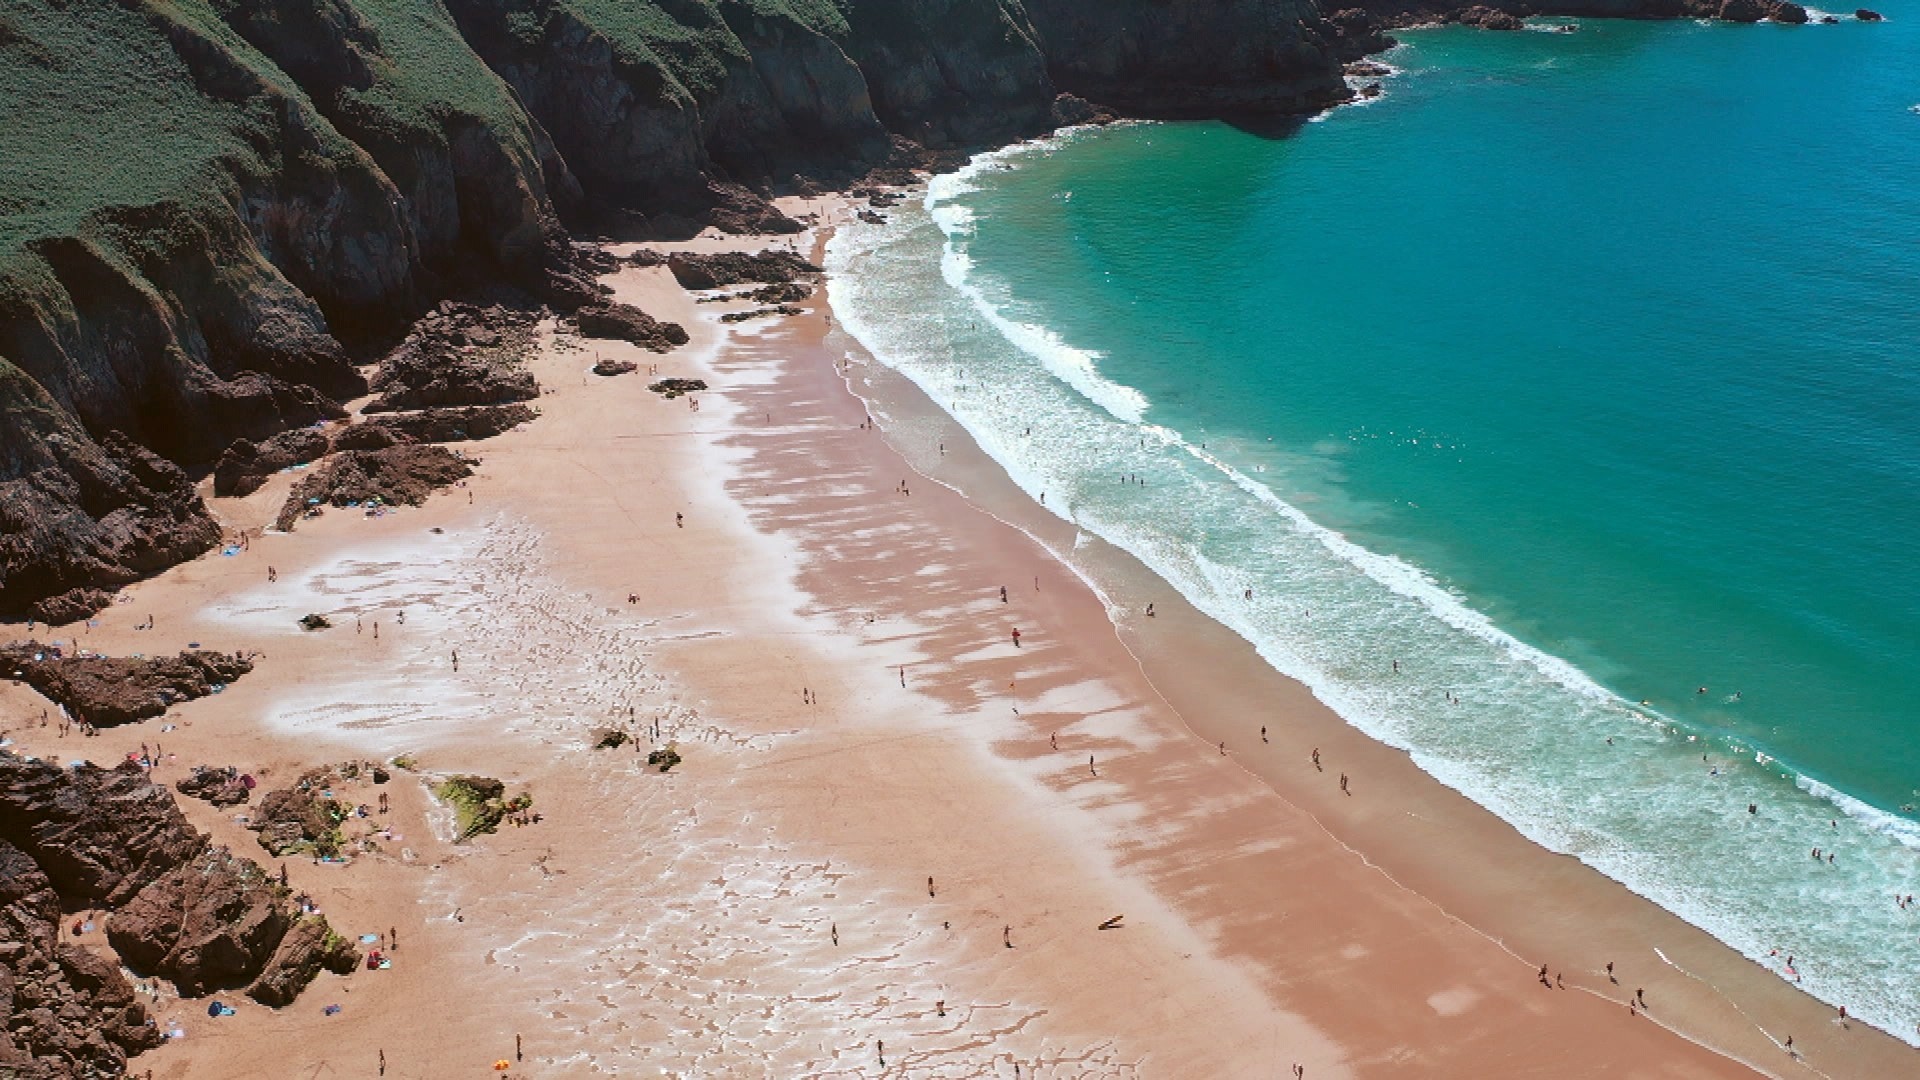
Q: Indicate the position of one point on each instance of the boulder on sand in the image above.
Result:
(624, 322)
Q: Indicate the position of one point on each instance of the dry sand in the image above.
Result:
(765, 910)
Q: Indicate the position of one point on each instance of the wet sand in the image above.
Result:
(765, 908)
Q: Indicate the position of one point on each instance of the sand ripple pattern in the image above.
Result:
(678, 935)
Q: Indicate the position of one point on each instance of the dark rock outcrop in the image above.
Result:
(447, 425)
(1868, 15)
(79, 515)
(609, 367)
(791, 292)
(108, 690)
(1193, 57)
(695, 271)
(100, 835)
(1487, 18)
(624, 322)
(398, 475)
(759, 313)
(673, 388)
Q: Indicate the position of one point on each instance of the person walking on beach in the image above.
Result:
(1316, 760)
(1343, 785)
(1090, 767)
(1006, 936)
(929, 885)
(1016, 637)
(1055, 740)
(1003, 594)
(1263, 733)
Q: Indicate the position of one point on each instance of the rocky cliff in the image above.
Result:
(214, 211)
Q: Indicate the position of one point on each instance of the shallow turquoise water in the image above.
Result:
(1579, 371)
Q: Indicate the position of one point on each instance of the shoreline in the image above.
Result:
(761, 906)
(1724, 992)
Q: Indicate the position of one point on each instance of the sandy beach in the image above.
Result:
(946, 808)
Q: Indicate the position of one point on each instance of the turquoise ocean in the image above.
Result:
(1579, 373)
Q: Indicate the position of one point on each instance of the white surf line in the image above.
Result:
(1109, 605)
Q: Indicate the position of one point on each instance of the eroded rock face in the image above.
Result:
(78, 516)
(1193, 57)
(109, 690)
(100, 835)
(68, 1011)
(209, 924)
(246, 465)
(461, 354)
(308, 947)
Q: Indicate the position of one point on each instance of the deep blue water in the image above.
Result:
(1578, 372)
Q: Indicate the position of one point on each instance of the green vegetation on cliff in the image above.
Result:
(211, 208)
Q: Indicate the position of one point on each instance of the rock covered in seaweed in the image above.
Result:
(480, 804)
